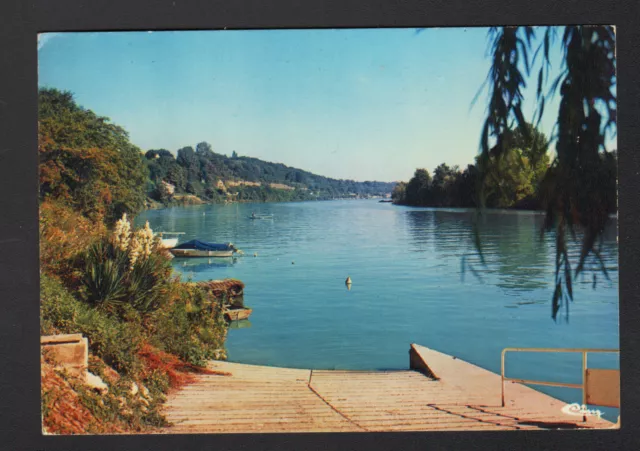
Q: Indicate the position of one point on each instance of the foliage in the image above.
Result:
(127, 269)
(113, 340)
(577, 195)
(192, 327)
(63, 411)
(199, 172)
(117, 288)
(64, 234)
(399, 193)
(510, 180)
(86, 161)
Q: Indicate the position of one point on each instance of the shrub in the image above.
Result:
(192, 327)
(114, 341)
(65, 233)
(127, 268)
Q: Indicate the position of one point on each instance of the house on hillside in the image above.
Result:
(171, 189)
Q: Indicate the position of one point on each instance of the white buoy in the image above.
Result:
(255, 254)
(348, 281)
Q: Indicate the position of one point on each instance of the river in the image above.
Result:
(416, 278)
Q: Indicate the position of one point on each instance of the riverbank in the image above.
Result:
(148, 331)
(189, 200)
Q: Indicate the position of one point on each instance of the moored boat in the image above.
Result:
(237, 313)
(197, 248)
(260, 216)
(168, 240)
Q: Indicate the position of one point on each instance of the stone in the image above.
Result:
(145, 391)
(70, 351)
(96, 383)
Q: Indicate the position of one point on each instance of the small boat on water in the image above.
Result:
(260, 216)
(168, 239)
(197, 248)
(237, 313)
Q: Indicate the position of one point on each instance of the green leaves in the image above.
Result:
(109, 281)
(576, 188)
(87, 161)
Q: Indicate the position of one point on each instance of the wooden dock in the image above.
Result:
(440, 393)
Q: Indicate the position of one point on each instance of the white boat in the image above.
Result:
(169, 240)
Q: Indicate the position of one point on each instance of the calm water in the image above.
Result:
(411, 284)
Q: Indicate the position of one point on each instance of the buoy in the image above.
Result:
(293, 263)
(255, 254)
(348, 281)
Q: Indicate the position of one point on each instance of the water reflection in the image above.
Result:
(512, 249)
(240, 324)
(200, 265)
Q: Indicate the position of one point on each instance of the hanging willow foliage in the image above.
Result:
(575, 188)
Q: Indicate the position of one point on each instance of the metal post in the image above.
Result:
(584, 377)
(502, 374)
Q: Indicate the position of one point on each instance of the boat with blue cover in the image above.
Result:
(197, 248)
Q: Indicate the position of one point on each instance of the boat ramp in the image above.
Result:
(439, 392)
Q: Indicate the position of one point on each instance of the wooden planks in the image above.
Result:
(269, 399)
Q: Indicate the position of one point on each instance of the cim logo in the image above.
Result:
(581, 410)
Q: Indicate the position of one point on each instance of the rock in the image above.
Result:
(145, 391)
(96, 383)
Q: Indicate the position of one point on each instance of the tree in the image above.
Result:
(508, 179)
(399, 193)
(177, 177)
(234, 155)
(574, 197)
(204, 149)
(418, 188)
(186, 156)
(86, 161)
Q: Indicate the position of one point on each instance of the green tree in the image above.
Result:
(417, 190)
(204, 149)
(186, 156)
(399, 193)
(86, 161)
(575, 198)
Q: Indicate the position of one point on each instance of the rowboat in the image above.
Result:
(237, 314)
(168, 239)
(197, 248)
(259, 216)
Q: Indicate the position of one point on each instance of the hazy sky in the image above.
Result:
(359, 104)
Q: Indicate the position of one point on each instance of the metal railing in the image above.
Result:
(583, 351)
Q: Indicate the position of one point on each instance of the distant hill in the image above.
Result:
(216, 177)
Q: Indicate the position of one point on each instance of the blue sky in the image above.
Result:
(360, 104)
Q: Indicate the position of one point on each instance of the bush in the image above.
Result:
(127, 269)
(116, 342)
(192, 327)
(64, 234)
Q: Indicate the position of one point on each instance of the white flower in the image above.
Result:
(134, 252)
(122, 233)
(146, 240)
